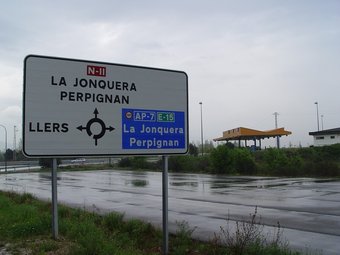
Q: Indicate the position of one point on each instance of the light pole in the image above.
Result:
(15, 143)
(321, 121)
(277, 138)
(317, 114)
(5, 155)
(201, 128)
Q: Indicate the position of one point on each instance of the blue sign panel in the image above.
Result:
(153, 129)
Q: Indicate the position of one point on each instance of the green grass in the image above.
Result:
(25, 224)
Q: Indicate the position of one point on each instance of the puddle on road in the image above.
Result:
(137, 183)
(326, 180)
(181, 184)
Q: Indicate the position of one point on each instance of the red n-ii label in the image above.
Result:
(96, 71)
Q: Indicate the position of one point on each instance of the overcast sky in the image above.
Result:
(245, 59)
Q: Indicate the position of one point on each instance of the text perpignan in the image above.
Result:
(92, 97)
(153, 143)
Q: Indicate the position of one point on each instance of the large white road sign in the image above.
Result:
(77, 107)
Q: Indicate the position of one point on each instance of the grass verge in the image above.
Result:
(25, 226)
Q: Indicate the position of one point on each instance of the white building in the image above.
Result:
(326, 137)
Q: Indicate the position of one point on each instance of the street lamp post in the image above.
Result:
(317, 114)
(15, 143)
(5, 155)
(201, 129)
(277, 138)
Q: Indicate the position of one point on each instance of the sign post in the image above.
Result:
(54, 200)
(75, 108)
(165, 205)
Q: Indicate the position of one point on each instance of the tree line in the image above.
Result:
(227, 159)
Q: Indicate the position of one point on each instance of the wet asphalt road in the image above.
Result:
(307, 209)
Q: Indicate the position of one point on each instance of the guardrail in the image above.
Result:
(19, 166)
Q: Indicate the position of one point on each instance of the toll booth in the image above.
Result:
(246, 134)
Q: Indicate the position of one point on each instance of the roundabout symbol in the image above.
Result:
(101, 124)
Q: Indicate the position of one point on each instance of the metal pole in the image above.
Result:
(202, 130)
(165, 206)
(15, 143)
(54, 200)
(317, 114)
(5, 156)
(321, 122)
(277, 138)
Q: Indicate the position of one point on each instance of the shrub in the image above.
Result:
(183, 163)
(204, 164)
(321, 168)
(113, 220)
(175, 164)
(125, 162)
(193, 150)
(138, 163)
(275, 159)
(248, 237)
(183, 237)
(282, 162)
(243, 161)
(331, 152)
(227, 160)
(308, 153)
(222, 161)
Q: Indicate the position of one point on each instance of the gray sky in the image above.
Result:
(245, 59)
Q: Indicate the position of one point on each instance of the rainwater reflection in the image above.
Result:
(137, 183)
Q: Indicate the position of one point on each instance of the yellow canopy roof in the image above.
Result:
(242, 133)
